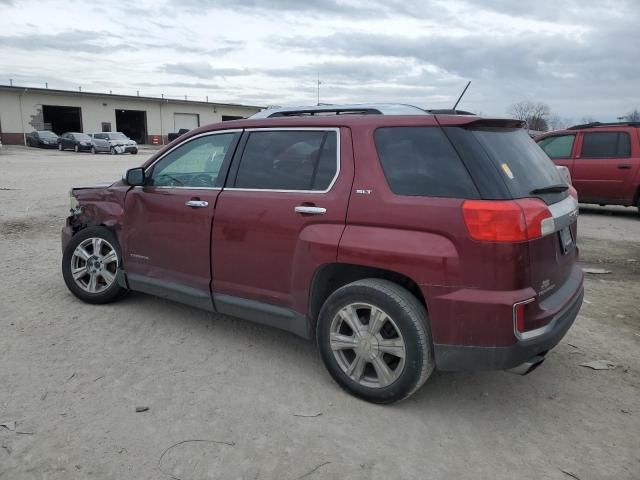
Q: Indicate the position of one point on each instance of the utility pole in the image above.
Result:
(319, 83)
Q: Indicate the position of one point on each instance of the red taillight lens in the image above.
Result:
(507, 221)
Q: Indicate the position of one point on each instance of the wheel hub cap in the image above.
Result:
(368, 346)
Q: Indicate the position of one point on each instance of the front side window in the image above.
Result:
(606, 145)
(420, 161)
(559, 146)
(196, 163)
(288, 160)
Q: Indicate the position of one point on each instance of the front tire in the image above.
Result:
(373, 337)
(60, 147)
(93, 150)
(90, 265)
(76, 149)
(113, 151)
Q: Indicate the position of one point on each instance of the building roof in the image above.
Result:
(52, 91)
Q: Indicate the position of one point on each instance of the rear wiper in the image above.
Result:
(561, 187)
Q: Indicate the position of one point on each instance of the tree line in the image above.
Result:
(538, 116)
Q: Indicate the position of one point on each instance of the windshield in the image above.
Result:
(525, 168)
(116, 136)
(47, 134)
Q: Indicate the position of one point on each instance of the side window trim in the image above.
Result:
(233, 173)
(224, 168)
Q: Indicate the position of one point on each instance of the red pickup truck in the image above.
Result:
(603, 158)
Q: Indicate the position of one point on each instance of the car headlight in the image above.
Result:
(74, 204)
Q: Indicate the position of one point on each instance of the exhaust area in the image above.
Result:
(528, 366)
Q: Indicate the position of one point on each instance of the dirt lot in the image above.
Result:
(250, 402)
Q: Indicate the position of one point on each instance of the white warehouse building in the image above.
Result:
(143, 119)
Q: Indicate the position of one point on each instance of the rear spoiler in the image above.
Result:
(472, 121)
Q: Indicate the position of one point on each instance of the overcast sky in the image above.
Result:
(580, 57)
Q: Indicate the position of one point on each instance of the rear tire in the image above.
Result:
(90, 265)
(93, 150)
(76, 149)
(60, 147)
(373, 337)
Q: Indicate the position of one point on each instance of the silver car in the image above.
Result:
(113, 142)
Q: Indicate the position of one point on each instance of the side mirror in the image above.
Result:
(134, 177)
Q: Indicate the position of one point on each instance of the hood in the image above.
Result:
(95, 186)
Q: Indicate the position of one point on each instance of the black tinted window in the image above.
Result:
(559, 146)
(421, 161)
(288, 160)
(520, 161)
(606, 144)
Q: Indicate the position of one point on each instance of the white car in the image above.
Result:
(112, 142)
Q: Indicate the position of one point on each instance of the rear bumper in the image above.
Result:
(459, 358)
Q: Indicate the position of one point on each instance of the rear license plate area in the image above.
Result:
(566, 240)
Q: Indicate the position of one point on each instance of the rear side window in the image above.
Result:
(420, 161)
(559, 146)
(288, 160)
(606, 144)
(522, 164)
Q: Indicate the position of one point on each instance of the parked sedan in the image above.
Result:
(42, 139)
(75, 141)
(113, 142)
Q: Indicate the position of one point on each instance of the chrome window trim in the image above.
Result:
(293, 129)
(204, 134)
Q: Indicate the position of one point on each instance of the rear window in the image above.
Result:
(606, 145)
(521, 162)
(559, 146)
(420, 161)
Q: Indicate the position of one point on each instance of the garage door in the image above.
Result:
(186, 120)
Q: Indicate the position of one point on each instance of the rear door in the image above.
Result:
(167, 231)
(280, 216)
(603, 169)
(527, 172)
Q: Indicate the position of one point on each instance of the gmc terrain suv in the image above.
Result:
(603, 159)
(402, 241)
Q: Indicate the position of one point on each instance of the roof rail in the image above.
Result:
(354, 109)
(603, 124)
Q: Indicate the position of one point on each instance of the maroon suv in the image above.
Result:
(401, 243)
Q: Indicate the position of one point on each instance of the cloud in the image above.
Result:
(200, 70)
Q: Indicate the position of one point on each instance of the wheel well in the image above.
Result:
(331, 277)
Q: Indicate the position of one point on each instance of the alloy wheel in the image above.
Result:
(94, 264)
(367, 345)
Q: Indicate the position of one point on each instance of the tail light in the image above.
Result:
(507, 221)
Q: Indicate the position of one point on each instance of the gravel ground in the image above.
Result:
(230, 400)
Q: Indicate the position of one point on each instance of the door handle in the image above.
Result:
(624, 166)
(309, 210)
(197, 203)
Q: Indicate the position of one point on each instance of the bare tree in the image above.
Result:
(534, 114)
(633, 116)
(555, 122)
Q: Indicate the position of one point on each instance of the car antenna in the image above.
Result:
(461, 95)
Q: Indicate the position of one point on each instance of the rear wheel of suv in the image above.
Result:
(373, 337)
(90, 264)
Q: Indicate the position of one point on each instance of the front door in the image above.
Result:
(167, 231)
(602, 169)
(281, 215)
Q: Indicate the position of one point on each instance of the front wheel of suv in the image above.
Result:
(90, 264)
(373, 336)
